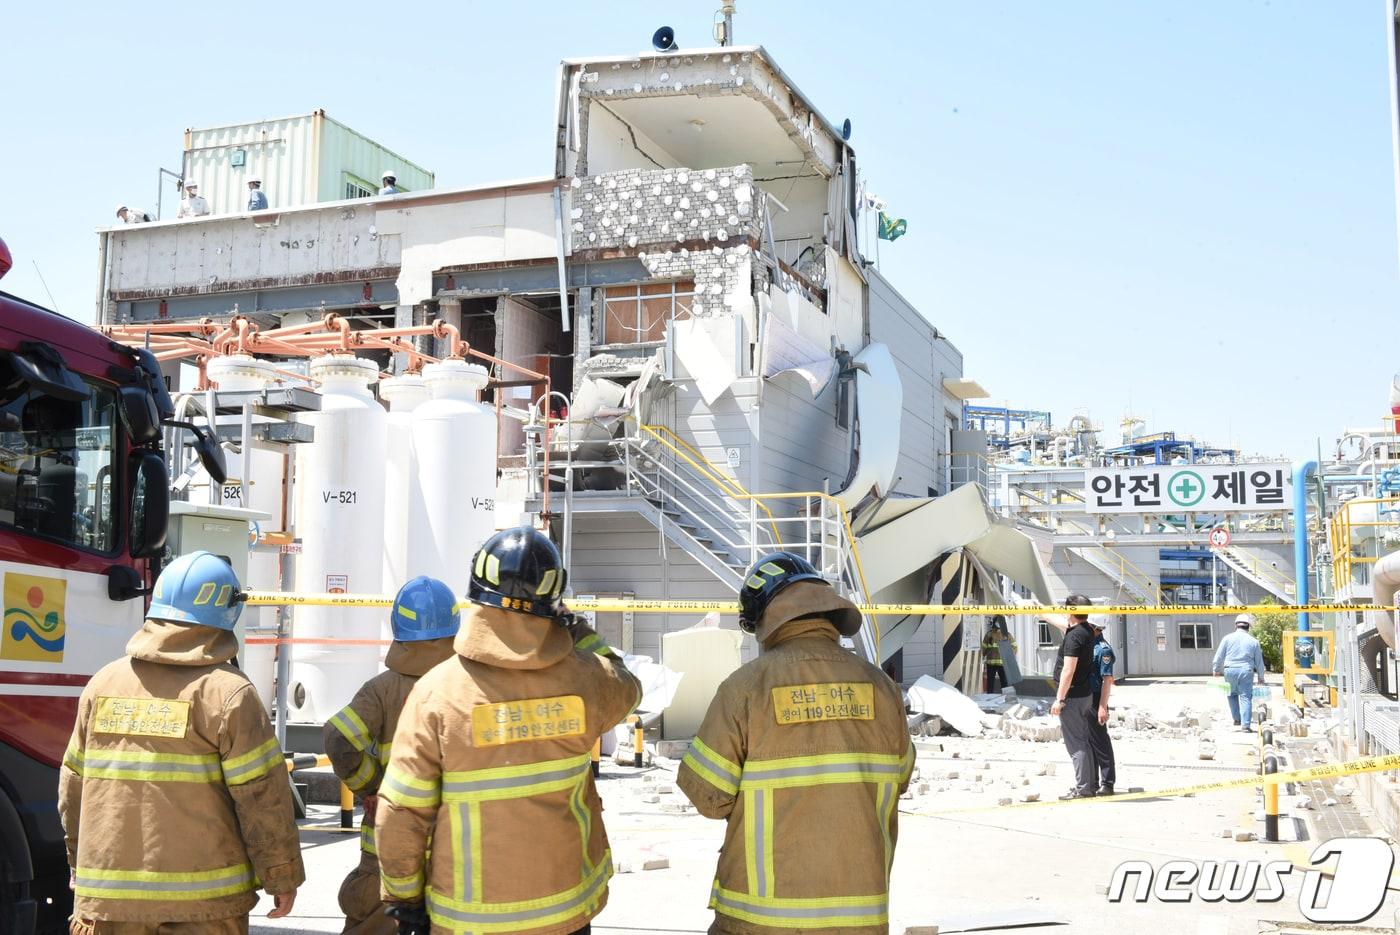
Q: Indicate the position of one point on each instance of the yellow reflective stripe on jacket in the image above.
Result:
(711, 767)
(410, 887)
(791, 772)
(259, 761)
(758, 840)
(409, 791)
(159, 885)
(146, 766)
(353, 728)
(593, 643)
(73, 757)
(831, 912)
(908, 767)
(367, 839)
(457, 915)
(514, 782)
(363, 774)
(384, 751)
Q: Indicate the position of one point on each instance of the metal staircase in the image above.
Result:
(1130, 579)
(711, 517)
(1265, 576)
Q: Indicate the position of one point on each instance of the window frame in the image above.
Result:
(116, 479)
(637, 297)
(1196, 629)
(1044, 635)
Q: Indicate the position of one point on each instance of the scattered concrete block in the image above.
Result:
(1136, 789)
(922, 789)
(984, 765)
(1031, 797)
(1100, 889)
(907, 795)
(656, 863)
(1243, 835)
(651, 799)
(678, 808)
(1004, 800)
(1228, 833)
(672, 749)
(1329, 801)
(1049, 769)
(1302, 802)
(921, 930)
(666, 790)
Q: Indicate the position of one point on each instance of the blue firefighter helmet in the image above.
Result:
(424, 609)
(198, 588)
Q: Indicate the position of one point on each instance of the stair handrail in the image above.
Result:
(707, 468)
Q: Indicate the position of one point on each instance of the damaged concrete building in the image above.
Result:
(728, 374)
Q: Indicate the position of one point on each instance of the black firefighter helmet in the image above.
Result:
(765, 579)
(518, 569)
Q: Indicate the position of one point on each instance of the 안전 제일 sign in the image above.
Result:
(1189, 488)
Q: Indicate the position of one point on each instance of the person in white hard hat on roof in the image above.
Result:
(257, 201)
(389, 182)
(193, 205)
(131, 215)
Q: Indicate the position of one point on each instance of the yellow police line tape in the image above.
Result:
(605, 605)
(1370, 764)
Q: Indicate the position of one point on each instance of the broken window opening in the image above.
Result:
(637, 315)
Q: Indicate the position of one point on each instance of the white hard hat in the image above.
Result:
(254, 178)
(191, 184)
(1244, 620)
(388, 174)
(120, 209)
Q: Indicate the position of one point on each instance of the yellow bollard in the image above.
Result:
(638, 740)
(597, 755)
(347, 807)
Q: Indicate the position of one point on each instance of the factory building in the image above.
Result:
(720, 369)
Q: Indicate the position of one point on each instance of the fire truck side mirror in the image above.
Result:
(150, 505)
(138, 412)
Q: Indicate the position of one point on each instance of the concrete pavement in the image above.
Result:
(954, 866)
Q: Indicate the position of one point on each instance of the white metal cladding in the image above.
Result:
(301, 160)
(345, 153)
(283, 152)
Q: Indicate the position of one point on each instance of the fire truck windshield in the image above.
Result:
(58, 468)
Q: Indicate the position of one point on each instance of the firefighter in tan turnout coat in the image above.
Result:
(359, 738)
(173, 792)
(804, 751)
(491, 761)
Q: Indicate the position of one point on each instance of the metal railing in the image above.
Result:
(1344, 545)
(1251, 567)
(718, 514)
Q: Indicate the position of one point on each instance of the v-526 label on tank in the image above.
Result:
(343, 497)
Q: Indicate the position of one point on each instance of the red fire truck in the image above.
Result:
(84, 499)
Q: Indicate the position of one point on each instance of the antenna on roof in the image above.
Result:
(724, 31)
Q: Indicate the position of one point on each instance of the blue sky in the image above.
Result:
(1183, 209)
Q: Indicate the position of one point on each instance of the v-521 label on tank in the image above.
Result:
(343, 497)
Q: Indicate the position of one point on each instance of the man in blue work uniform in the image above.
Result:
(1239, 659)
(1101, 684)
(257, 201)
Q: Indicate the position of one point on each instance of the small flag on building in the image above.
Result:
(892, 228)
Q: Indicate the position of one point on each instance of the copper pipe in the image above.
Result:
(334, 322)
(204, 326)
(289, 330)
(456, 346)
(473, 352)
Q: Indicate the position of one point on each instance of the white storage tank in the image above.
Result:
(704, 656)
(235, 373)
(341, 525)
(454, 444)
(404, 394)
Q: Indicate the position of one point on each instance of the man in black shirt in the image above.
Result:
(1074, 703)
